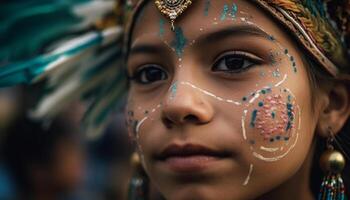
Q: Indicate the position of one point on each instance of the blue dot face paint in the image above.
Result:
(272, 122)
(253, 118)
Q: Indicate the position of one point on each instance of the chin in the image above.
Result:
(200, 192)
(190, 193)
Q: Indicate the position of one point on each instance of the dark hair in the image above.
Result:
(28, 142)
(318, 79)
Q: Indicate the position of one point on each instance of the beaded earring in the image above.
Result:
(332, 163)
(139, 183)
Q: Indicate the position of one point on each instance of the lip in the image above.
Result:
(189, 158)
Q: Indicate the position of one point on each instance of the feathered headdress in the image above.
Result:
(75, 45)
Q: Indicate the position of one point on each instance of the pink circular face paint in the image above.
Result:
(270, 123)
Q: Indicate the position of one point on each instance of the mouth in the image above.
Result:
(190, 158)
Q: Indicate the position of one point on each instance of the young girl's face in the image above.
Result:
(220, 108)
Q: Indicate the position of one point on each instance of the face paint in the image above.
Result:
(265, 115)
(273, 58)
(207, 93)
(161, 27)
(224, 12)
(180, 41)
(234, 10)
(276, 73)
(255, 115)
(253, 118)
(274, 120)
(246, 181)
(291, 58)
(268, 123)
(206, 7)
(173, 90)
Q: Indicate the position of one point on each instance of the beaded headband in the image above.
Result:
(307, 21)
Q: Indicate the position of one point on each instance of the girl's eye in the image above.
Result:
(150, 74)
(235, 63)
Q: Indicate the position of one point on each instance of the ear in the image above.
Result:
(335, 109)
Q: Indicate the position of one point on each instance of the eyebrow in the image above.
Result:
(145, 49)
(206, 38)
(233, 31)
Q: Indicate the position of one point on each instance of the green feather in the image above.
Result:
(35, 25)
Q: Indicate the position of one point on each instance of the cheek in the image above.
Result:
(135, 117)
(142, 119)
(271, 124)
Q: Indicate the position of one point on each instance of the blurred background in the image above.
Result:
(46, 45)
(54, 160)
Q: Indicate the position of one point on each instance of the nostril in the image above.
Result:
(167, 122)
(191, 119)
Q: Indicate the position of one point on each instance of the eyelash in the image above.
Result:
(244, 56)
(161, 74)
(137, 76)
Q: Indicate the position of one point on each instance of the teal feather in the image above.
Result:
(113, 86)
(49, 40)
(316, 7)
(25, 72)
(96, 117)
(74, 85)
(37, 25)
(105, 76)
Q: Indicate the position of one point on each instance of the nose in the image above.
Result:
(185, 105)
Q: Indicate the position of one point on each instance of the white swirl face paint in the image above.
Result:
(210, 94)
(270, 124)
(273, 122)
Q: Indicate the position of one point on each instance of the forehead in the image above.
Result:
(202, 16)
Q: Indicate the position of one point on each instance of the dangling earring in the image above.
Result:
(138, 186)
(332, 163)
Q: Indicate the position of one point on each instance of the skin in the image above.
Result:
(189, 103)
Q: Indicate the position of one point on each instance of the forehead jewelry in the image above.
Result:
(172, 8)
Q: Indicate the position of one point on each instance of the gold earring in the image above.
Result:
(172, 8)
(332, 163)
(139, 183)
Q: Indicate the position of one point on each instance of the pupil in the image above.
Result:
(234, 63)
(153, 75)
